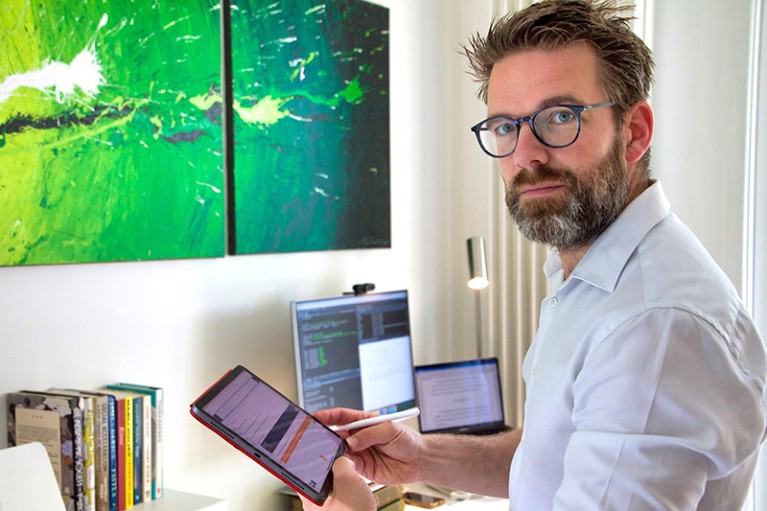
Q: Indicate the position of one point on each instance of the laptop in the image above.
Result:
(460, 397)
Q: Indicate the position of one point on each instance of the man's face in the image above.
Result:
(562, 197)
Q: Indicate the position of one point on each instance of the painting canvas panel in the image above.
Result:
(310, 86)
(110, 131)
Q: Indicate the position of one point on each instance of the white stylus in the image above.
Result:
(363, 423)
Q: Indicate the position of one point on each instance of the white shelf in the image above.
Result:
(174, 500)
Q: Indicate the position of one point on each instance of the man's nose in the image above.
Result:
(529, 151)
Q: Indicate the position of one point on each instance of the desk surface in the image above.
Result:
(470, 503)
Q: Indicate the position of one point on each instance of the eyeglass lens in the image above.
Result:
(555, 126)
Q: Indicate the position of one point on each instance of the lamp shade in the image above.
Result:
(477, 263)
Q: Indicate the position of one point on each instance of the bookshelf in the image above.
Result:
(93, 419)
(27, 482)
(181, 501)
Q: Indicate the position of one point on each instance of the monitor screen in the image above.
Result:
(354, 351)
(457, 397)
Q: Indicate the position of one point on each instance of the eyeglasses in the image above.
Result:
(555, 126)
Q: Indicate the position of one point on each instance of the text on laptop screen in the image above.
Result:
(458, 395)
(354, 352)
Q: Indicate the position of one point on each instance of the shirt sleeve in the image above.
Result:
(661, 406)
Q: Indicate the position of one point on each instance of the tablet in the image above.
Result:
(272, 430)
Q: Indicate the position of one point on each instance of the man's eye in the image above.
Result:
(561, 116)
(503, 129)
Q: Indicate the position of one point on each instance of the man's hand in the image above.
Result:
(390, 453)
(350, 491)
(386, 453)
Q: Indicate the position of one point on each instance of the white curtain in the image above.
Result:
(519, 284)
(755, 207)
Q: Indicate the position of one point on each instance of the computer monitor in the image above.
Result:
(354, 351)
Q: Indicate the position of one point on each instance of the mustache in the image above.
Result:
(541, 174)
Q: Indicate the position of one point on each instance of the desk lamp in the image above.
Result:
(477, 281)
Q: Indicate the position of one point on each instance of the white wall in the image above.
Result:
(180, 324)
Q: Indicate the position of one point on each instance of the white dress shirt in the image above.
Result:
(646, 380)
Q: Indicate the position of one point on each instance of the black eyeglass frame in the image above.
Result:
(530, 119)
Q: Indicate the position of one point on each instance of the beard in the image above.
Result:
(593, 203)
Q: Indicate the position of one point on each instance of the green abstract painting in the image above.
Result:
(111, 136)
(310, 82)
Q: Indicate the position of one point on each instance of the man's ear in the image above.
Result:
(637, 131)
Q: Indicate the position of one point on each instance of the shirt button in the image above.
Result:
(553, 301)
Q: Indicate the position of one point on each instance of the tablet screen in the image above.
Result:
(274, 430)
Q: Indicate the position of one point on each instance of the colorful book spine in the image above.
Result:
(112, 410)
(139, 450)
(147, 450)
(124, 442)
(129, 455)
(142, 442)
(157, 419)
(89, 449)
(106, 451)
(105, 445)
(79, 455)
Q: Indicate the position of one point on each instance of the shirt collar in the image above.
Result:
(604, 262)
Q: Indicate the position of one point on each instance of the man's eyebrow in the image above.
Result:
(560, 100)
(565, 99)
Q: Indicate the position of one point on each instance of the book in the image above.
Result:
(157, 411)
(89, 444)
(124, 440)
(142, 443)
(106, 455)
(385, 495)
(56, 421)
(140, 448)
(105, 420)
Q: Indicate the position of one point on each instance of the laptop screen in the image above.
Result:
(460, 396)
(354, 351)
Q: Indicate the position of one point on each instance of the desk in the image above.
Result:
(472, 503)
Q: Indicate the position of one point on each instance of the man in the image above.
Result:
(646, 379)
